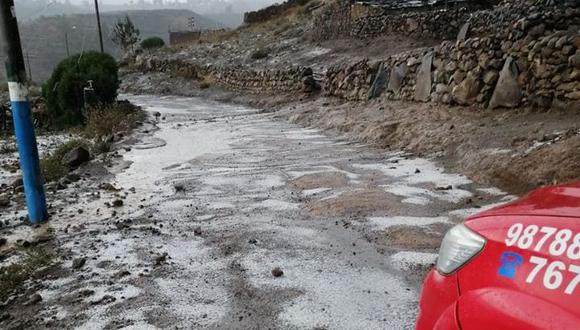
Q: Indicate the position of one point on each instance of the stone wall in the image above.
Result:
(272, 11)
(436, 23)
(237, 78)
(536, 65)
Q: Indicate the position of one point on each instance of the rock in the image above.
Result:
(160, 259)
(451, 66)
(462, 35)
(574, 60)
(117, 203)
(379, 83)
(490, 77)
(76, 157)
(307, 72)
(309, 84)
(424, 84)
(537, 30)
(197, 231)
(4, 201)
(3, 241)
(412, 25)
(78, 263)
(397, 75)
(277, 272)
(466, 92)
(507, 91)
(17, 182)
(72, 177)
(34, 299)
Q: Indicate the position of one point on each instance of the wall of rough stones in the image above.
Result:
(364, 20)
(238, 78)
(525, 64)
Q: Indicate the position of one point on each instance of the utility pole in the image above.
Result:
(66, 43)
(22, 114)
(99, 25)
(29, 67)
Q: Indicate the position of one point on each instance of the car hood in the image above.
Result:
(559, 201)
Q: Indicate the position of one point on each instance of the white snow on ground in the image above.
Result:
(276, 205)
(316, 191)
(492, 191)
(412, 174)
(303, 134)
(406, 260)
(386, 222)
(336, 296)
(323, 169)
(465, 213)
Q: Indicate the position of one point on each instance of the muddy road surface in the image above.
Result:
(228, 218)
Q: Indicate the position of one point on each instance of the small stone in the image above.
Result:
(160, 259)
(34, 299)
(118, 203)
(197, 231)
(76, 157)
(79, 263)
(3, 241)
(277, 272)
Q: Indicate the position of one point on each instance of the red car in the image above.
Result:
(513, 267)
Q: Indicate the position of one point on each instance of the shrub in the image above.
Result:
(64, 90)
(152, 43)
(105, 120)
(260, 53)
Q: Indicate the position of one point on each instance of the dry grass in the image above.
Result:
(12, 277)
(109, 119)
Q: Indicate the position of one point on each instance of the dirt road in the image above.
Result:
(215, 197)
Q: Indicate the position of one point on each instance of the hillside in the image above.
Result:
(44, 38)
(411, 79)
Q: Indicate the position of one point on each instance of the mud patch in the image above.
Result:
(415, 238)
(320, 180)
(358, 202)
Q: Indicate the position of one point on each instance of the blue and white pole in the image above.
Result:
(22, 114)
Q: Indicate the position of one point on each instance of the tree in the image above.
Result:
(64, 91)
(152, 43)
(125, 34)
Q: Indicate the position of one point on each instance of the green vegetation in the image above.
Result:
(105, 120)
(260, 53)
(152, 43)
(12, 277)
(125, 34)
(51, 164)
(64, 90)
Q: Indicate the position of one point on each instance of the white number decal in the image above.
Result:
(513, 234)
(560, 243)
(553, 277)
(527, 238)
(570, 288)
(574, 249)
(540, 263)
(548, 232)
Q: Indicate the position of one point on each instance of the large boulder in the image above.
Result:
(508, 92)
(466, 92)
(424, 83)
(397, 75)
(76, 157)
(379, 82)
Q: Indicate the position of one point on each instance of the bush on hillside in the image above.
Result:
(152, 43)
(64, 90)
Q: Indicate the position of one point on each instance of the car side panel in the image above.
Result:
(498, 309)
(502, 265)
(438, 294)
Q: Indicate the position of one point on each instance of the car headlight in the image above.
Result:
(459, 245)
